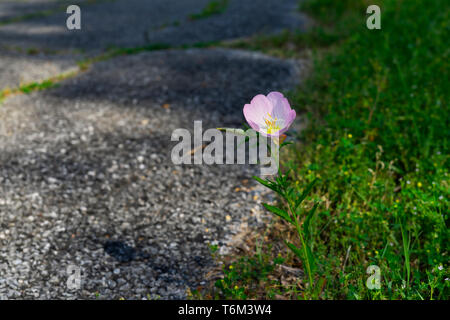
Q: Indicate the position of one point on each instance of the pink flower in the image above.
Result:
(271, 115)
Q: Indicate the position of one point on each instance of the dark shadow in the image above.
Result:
(197, 84)
(120, 251)
(130, 23)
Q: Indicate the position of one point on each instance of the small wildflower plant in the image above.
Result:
(272, 116)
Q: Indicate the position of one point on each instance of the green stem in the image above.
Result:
(305, 252)
(406, 252)
(299, 231)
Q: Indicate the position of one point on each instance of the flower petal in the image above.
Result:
(257, 110)
(280, 104)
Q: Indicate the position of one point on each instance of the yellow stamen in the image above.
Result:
(271, 123)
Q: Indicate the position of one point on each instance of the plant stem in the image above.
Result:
(406, 252)
(305, 252)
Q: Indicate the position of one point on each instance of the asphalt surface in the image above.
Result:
(86, 178)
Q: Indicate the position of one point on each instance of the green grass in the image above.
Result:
(377, 140)
(85, 64)
(212, 8)
(35, 86)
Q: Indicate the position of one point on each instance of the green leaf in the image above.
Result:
(285, 144)
(312, 261)
(307, 234)
(269, 184)
(295, 250)
(299, 254)
(238, 132)
(279, 212)
(304, 194)
(265, 183)
(320, 284)
(308, 220)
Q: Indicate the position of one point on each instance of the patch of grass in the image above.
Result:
(288, 44)
(114, 52)
(36, 86)
(212, 8)
(377, 138)
(84, 65)
(259, 274)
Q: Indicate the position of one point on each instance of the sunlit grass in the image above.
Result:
(377, 139)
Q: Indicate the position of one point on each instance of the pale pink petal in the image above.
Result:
(257, 110)
(281, 105)
(247, 115)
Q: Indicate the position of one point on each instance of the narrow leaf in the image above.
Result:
(308, 221)
(295, 250)
(279, 212)
(304, 194)
(269, 184)
(238, 132)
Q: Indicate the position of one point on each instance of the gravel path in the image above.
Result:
(126, 23)
(130, 23)
(89, 162)
(86, 178)
(13, 9)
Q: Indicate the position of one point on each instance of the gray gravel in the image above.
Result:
(129, 23)
(17, 68)
(86, 177)
(241, 19)
(10, 9)
(105, 23)
(124, 23)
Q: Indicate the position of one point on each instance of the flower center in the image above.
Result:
(271, 123)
